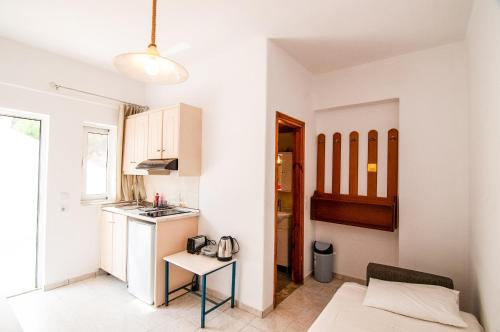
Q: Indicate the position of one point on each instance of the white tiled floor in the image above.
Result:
(103, 304)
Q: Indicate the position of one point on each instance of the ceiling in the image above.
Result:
(323, 35)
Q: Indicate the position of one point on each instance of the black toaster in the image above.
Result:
(195, 243)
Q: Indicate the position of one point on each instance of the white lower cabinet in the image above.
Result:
(133, 251)
(106, 241)
(114, 244)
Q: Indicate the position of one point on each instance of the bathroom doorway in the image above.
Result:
(289, 206)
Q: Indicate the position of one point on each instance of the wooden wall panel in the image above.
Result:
(372, 163)
(392, 163)
(353, 163)
(320, 170)
(337, 144)
(367, 211)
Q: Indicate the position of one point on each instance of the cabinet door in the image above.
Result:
(129, 146)
(171, 123)
(155, 134)
(106, 242)
(141, 138)
(120, 246)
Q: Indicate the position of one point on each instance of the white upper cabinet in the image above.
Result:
(167, 133)
(135, 144)
(171, 119)
(141, 138)
(155, 134)
(180, 137)
(129, 146)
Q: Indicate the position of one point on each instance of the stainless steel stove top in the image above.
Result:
(162, 213)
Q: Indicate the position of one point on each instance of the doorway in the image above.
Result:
(289, 206)
(19, 197)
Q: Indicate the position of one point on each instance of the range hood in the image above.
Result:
(159, 165)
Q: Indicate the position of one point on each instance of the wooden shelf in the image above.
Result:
(361, 211)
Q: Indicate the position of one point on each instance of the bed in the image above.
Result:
(346, 313)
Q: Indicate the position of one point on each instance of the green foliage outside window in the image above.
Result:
(27, 127)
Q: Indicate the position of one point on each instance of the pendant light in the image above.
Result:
(150, 66)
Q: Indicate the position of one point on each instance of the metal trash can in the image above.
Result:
(323, 261)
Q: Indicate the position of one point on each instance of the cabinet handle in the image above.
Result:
(162, 150)
(158, 150)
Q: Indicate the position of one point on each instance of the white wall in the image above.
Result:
(433, 159)
(71, 237)
(355, 247)
(288, 91)
(484, 75)
(230, 88)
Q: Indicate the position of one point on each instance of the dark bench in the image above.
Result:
(393, 273)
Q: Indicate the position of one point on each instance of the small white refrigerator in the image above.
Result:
(141, 265)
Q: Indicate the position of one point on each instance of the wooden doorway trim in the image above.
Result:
(298, 198)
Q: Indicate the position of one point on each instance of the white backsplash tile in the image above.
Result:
(174, 188)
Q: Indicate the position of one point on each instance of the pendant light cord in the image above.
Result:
(153, 25)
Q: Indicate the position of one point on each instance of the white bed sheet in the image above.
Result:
(346, 313)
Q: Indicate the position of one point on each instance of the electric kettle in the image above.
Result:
(226, 248)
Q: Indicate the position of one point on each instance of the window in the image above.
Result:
(96, 164)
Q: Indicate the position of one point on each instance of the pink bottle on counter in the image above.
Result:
(157, 200)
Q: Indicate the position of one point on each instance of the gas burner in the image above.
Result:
(162, 213)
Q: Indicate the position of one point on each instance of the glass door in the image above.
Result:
(19, 183)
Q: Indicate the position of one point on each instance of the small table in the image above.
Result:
(201, 266)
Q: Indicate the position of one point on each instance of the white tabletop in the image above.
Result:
(198, 264)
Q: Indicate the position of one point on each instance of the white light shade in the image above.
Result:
(150, 67)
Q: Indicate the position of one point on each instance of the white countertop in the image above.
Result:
(198, 264)
(135, 213)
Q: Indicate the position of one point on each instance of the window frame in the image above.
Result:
(93, 129)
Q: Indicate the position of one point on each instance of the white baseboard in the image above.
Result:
(267, 311)
(349, 278)
(66, 282)
(245, 307)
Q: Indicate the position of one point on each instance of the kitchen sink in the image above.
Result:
(127, 205)
(131, 207)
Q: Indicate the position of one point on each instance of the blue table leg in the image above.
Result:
(166, 283)
(233, 281)
(203, 299)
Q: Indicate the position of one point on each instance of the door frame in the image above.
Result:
(42, 189)
(298, 199)
(43, 156)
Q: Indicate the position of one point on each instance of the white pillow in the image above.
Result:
(426, 302)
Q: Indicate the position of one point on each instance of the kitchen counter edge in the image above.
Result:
(194, 213)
